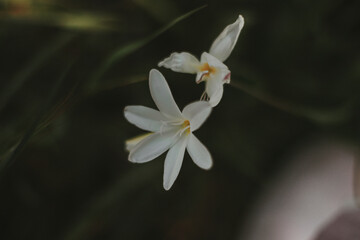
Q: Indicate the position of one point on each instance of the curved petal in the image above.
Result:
(145, 118)
(173, 162)
(197, 113)
(225, 42)
(214, 89)
(214, 86)
(181, 62)
(162, 96)
(212, 61)
(153, 146)
(199, 153)
(216, 97)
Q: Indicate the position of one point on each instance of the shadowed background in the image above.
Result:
(68, 69)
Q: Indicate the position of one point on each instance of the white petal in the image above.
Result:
(199, 77)
(199, 153)
(130, 144)
(225, 42)
(145, 118)
(214, 85)
(215, 66)
(216, 96)
(215, 88)
(212, 61)
(181, 62)
(173, 162)
(197, 113)
(153, 146)
(162, 96)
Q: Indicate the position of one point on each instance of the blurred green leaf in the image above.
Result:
(161, 10)
(334, 115)
(115, 83)
(16, 150)
(25, 72)
(111, 199)
(124, 51)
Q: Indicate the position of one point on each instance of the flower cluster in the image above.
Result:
(171, 129)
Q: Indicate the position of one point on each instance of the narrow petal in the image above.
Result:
(215, 98)
(199, 153)
(153, 146)
(214, 86)
(162, 96)
(131, 143)
(197, 113)
(181, 62)
(173, 162)
(225, 42)
(145, 118)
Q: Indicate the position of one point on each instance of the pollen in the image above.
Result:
(186, 126)
(186, 123)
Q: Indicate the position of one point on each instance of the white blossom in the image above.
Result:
(210, 68)
(170, 129)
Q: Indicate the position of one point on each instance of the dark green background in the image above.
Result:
(64, 173)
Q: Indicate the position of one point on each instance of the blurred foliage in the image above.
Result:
(70, 67)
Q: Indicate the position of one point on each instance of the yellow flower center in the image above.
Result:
(207, 70)
(186, 125)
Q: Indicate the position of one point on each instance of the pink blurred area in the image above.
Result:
(312, 190)
(345, 226)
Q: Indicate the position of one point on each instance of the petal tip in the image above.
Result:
(225, 42)
(126, 109)
(183, 62)
(130, 159)
(154, 71)
(154, 76)
(126, 113)
(213, 103)
(208, 167)
(166, 185)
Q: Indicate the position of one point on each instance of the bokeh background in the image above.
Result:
(68, 69)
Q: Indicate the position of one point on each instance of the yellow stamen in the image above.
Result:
(186, 125)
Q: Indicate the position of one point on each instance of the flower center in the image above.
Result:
(204, 72)
(186, 127)
(181, 125)
(207, 70)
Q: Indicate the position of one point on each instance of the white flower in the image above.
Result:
(210, 68)
(170, 130)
